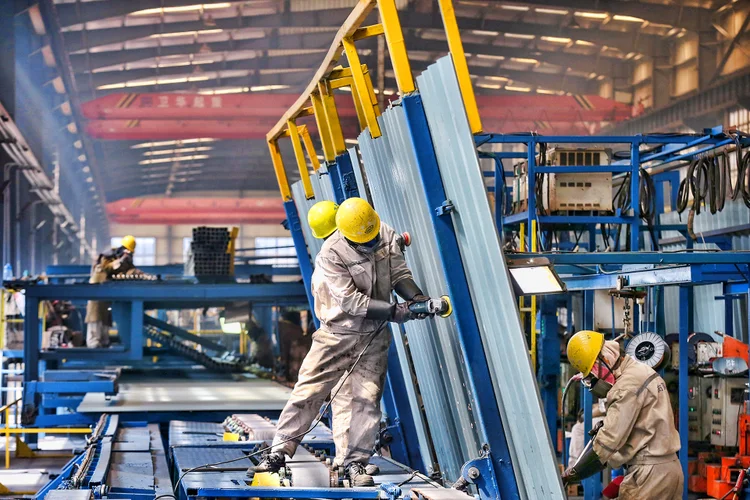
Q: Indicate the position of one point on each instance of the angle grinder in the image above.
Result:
(442, 307)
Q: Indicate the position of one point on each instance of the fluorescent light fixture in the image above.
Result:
(484, 33)
(585, 43)
(230, 90)
(490, 56)
(627, 19)
(157, 81)
(179, 142)
(556, 39)
(524, 60)
(266, 88)
(181, 9)
(517, 8)
(177, 151)
(520, 35)
(497, 78)
(151, 161)
(490, 86)
(187, 33)
(556, 12)
(592, 15)
(534, 276)
(351, 141)
(546, 91)
(518, 89)
(234, 328)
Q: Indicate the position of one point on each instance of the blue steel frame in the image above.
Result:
(732, 272)
(669, 148)
(129, 300)
(502, 482)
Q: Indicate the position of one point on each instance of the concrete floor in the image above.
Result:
(27, 475)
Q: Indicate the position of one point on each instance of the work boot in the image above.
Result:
(358, 476)
(270, 462)
(372, 469)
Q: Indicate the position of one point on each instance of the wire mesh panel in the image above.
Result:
(480, 246)
(397, 194)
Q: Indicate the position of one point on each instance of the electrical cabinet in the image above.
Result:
(700, 405)
(567, 191)
(726, 403)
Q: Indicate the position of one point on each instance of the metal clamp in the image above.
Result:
(445, 208)
(389, 491)
(481, 472)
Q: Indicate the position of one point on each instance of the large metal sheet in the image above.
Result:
(190, 395)
(435, 348)
(513, 379)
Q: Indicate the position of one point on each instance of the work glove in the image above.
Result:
(401, 313)
(417, 299)
(568, 477)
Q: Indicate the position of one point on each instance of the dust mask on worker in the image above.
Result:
(600, 380)
(365, 248)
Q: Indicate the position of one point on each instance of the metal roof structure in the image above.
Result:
(272, 47)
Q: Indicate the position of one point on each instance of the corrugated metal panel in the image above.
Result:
(322, 189)
(326, 187)
(358, 173)
(435, 348)
(534, 461)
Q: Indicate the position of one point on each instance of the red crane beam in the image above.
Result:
(196, 211)
(132, 106)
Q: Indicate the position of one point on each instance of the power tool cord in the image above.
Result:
(293, 438)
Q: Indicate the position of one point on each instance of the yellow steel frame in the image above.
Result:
(317, 98)
(8, 430)
(531, 310)
(299, 154)
(335, 133)
(456, 48)
(360, 87)
(309, 147)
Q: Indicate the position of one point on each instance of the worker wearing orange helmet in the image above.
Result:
(356, 271)
(114, 261)
(638, 431)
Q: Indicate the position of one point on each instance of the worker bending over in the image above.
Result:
(638, 431)
(356, 271)
(114, 261)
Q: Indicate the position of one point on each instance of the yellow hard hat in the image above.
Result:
(358, 221)
(322, 218)
(129, 242)
(583, 349)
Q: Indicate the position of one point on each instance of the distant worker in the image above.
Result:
(638, 431)
(114, 261)
(356, 271)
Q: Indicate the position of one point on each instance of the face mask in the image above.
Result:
(599, 387)
(366, 248)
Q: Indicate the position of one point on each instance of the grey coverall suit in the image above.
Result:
(639, 433)
(109, 263)
(343, 283)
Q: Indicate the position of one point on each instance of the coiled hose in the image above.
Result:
(709, 180)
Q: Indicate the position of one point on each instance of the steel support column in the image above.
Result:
(686, 327)
(592, 487)
(548, 356)
(486, 410)
(305, 266)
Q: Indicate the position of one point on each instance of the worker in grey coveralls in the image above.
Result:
(114, 261)
(638, 431)
(356, 271)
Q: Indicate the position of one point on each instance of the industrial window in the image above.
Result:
(280, 251)
(145, 250)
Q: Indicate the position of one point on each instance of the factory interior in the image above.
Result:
(375, 249)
